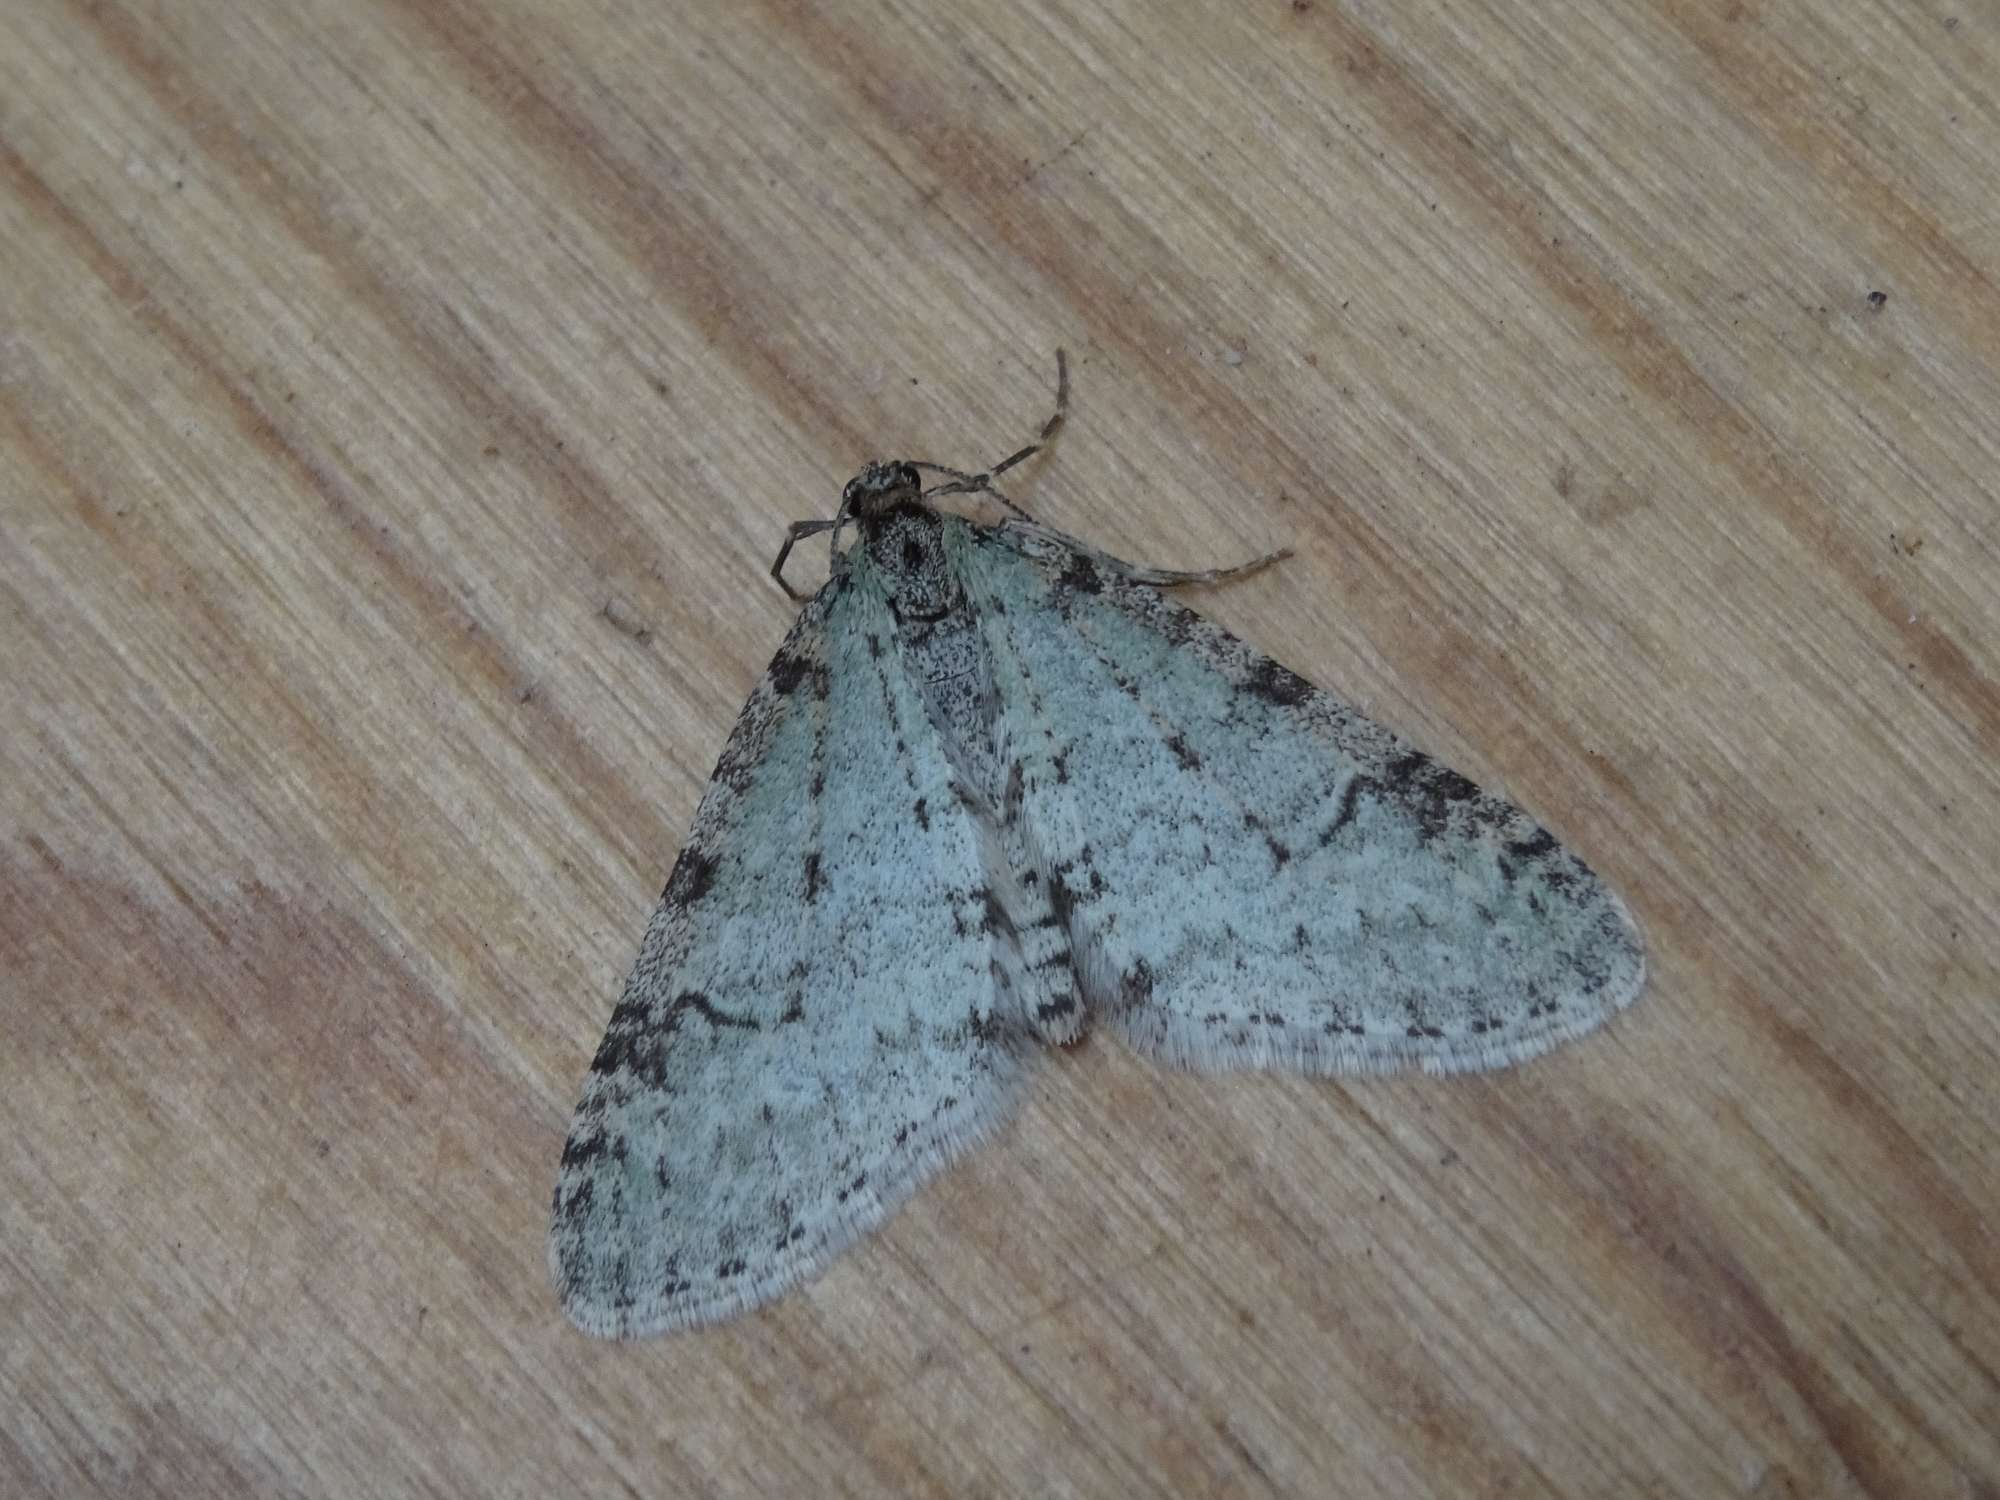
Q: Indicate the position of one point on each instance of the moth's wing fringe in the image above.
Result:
(1183, 1042)
(864, 1212)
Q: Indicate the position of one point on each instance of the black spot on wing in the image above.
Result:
(1430, 791)
(1183, 752)
(1080, 576)
(1540, 842)
(1559, 871)
(1276, 684)
(693, 875)
(633, 1045)
(813, 674)
(637, 1041)
(1062, 901)
(580, 1149)
(788, 670)
(736, 767)
(814, 881)
(1413, 771)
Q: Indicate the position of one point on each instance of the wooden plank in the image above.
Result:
(400, 406)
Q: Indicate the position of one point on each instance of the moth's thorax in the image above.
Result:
(906, 547)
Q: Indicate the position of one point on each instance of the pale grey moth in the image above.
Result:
(994, 788)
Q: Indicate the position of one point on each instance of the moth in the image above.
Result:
(995, 788)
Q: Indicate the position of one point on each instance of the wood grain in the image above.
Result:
(401, 403)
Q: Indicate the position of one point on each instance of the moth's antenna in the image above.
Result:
(961, 483)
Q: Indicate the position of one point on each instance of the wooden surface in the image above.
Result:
(401, 404)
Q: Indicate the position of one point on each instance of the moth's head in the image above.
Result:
(880, 488)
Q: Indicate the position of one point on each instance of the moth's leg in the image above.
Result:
(968, 484)
(793, 533)
(961, 482)
(965, 484)
(1142, 572)
(1167, 578)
